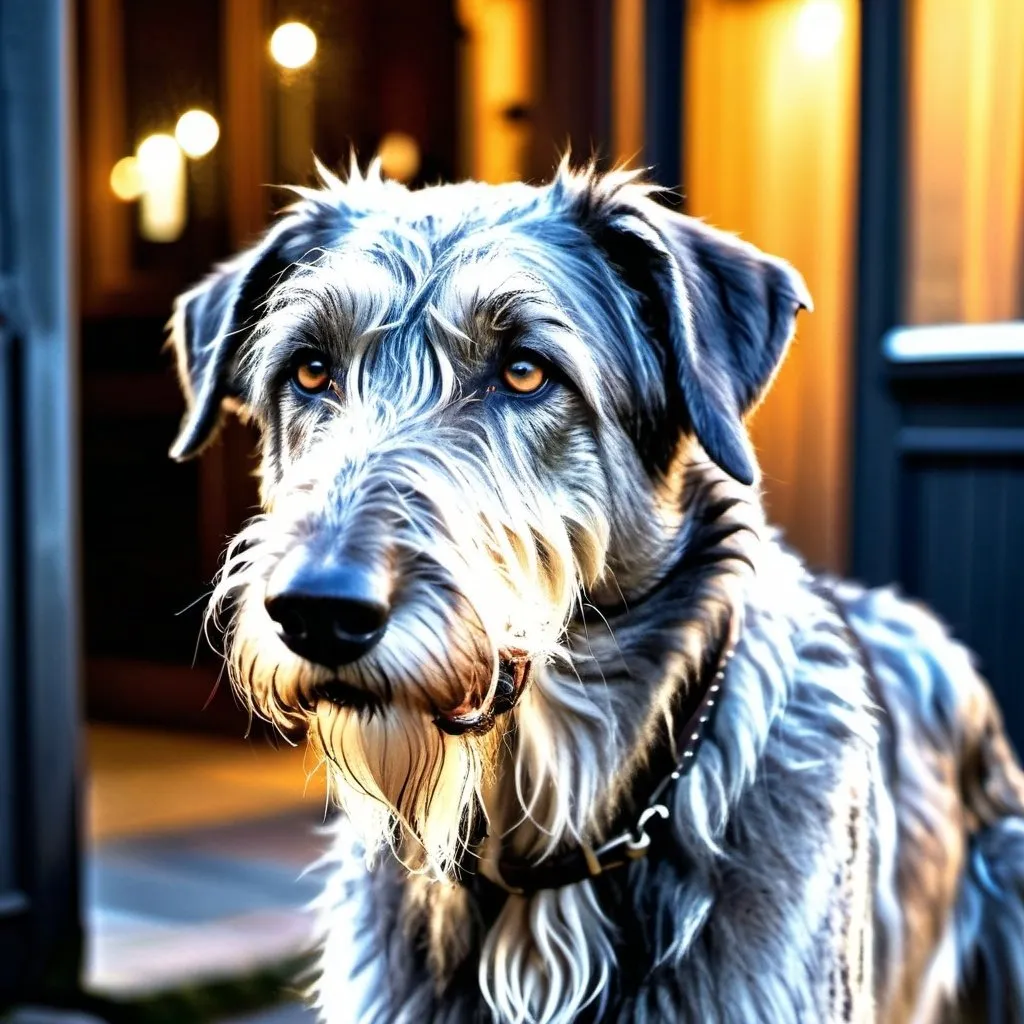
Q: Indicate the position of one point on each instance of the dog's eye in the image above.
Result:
(524, 375)
(312, 374)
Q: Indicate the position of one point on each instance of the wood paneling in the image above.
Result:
(962, 511)
(628, 81)
(770, 144)
(244, 87)
(572, 82)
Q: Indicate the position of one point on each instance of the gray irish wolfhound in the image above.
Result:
(606, 751)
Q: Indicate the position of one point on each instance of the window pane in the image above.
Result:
(965, 194)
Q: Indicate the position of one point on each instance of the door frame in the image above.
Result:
(879, 285)
(40, 925)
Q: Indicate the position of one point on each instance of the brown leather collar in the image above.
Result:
(520, 876)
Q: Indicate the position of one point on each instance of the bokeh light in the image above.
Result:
(399, 155)
(126, 180)
(163, 202)
(197, 132)
(818, 27)
(293, 45)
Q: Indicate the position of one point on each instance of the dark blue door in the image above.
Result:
(939, 451)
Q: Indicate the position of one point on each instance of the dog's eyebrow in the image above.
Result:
(529, 319)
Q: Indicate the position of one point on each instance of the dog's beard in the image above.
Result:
(504, 589)
(404, 782)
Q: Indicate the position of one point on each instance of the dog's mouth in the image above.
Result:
(468, 718)
(477, 720)
(345, 695)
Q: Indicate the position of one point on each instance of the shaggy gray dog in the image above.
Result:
(605, 750)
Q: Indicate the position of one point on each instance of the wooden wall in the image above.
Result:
(770, 153)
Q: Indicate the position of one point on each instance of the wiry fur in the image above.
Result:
(826, 859)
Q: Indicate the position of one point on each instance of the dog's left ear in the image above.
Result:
(721, 311)
(209, 325)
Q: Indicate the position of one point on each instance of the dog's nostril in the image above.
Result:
(289, 620)
(356, 618)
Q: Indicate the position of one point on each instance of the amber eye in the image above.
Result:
(312, 374)
(524, 376)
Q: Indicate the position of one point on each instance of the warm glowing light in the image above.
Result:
(818, 27)
(197, 132)
(293, 45)
(399, 155)
(126, 181)
(163, 202)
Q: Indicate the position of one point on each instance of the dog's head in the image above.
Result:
(475, 405)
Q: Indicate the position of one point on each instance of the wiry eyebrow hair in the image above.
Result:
(332, 305)
(520, 314)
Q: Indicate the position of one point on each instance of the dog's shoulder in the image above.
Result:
(919, 669)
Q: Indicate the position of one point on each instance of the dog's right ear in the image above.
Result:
(212, 320)
(720, 311)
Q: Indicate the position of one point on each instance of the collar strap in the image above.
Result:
(519, 876)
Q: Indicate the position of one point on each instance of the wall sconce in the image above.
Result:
(399, 155)
(163, 203)
(293, 45)
(126, 180)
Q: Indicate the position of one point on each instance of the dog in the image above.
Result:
(605, 749)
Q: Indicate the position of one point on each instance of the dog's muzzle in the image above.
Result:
(333, 611)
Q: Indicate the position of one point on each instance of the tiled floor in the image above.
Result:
(196, 868)
(285, 1013)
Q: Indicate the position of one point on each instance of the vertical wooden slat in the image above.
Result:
(965, 160)
(878, 296)
(497, 78)
(223, 474)
(664, 89)
(246, 122)
(628, 70)
(107, 222)
(572, 75)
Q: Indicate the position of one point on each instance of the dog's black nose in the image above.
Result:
(327, 612)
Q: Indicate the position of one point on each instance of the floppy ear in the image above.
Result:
(721, 311)
(743, 306)
(210, 323)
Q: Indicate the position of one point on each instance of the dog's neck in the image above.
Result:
(587, 732)
(589, 738)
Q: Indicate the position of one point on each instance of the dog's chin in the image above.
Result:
(342, 694)
(403, 781)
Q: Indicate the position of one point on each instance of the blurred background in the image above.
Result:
(150, 853)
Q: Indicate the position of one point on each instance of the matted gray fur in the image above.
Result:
(827, 859)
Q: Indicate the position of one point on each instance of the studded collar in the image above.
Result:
(522, 877)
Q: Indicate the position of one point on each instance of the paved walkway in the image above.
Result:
(190, 879)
